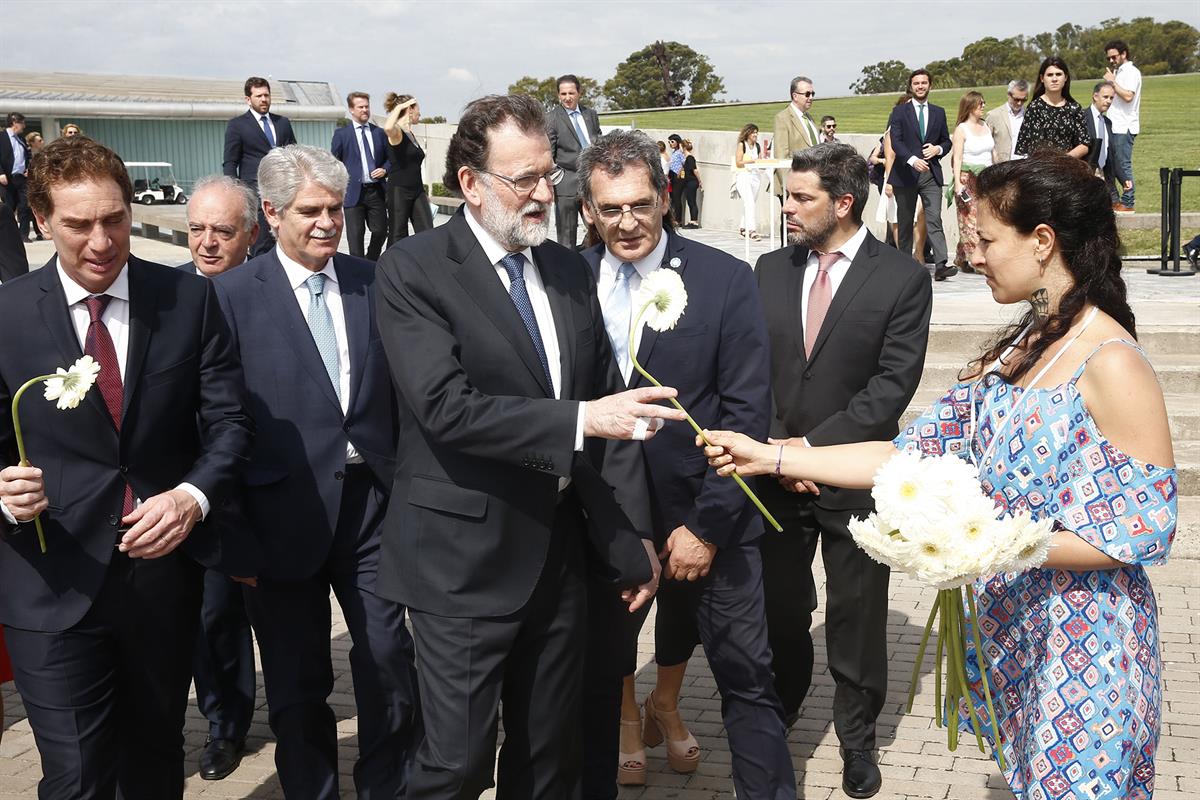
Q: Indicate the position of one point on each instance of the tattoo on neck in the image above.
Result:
(1040, 301)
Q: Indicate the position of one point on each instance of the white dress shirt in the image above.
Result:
(1015, 119)
(494, 251)
(837, 272)
(580, 124)
(116, 320)
(18, 148)
(1102, 134)
(258, 118)
(296, 277)
(609, 266)
(367, 155)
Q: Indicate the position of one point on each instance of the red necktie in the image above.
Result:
(99, 345)
(819, 298)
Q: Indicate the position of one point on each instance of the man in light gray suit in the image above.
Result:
(571, 128)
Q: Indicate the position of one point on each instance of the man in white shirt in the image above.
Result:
(1125, 114)
(1005, 121)
(362, 147)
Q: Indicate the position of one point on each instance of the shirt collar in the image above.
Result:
(118, 290)
(644, 266)
(918, 103)
(849, 249)
(491, 248)
(297, 273)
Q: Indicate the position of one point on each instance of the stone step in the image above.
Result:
(966, 341)
(1178, 373)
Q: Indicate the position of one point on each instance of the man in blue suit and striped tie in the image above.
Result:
(362, 147)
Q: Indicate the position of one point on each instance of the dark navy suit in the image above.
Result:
(717, 357)
(245, 146)
(223, 668)
(317, 519)
(908, 184)
(101, 643)
(365, 202)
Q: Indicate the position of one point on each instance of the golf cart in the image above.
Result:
(154, 182)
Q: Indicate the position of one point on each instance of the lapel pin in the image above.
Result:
(674, 263)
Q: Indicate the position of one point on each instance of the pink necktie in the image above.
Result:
(819, 298)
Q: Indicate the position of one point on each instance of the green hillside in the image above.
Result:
(1169, 137)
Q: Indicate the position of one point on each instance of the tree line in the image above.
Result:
(1158, 48)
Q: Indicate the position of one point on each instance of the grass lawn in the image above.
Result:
(1169, 138)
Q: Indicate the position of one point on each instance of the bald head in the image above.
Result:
(222, 216)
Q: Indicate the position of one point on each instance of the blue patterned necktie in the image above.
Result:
(617, 313)
(320, 322)
(514, 265)
(267, 131)
(583, 138)
(366, 155)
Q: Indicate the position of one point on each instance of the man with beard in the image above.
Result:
(498, 349)
(849, 321)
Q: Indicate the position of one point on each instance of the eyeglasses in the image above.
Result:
(830, 127)
(806, 94)
(527, 183)
(613, 216)
(1017, 100)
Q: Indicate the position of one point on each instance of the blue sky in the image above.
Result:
(447, 52)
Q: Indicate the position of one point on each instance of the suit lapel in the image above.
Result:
(564, 318)
(856, 276)
(478, 277)
(571, 127)
(142, 302)
(280, 301)
(795, 293)
(53, 307)
(356, 308)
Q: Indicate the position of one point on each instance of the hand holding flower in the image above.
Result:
(23, 492)
(731, 452)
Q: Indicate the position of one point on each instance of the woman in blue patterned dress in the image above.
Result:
(1064, 418)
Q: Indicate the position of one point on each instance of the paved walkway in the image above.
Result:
(913, 755)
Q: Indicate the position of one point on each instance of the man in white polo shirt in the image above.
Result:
(1125, 112)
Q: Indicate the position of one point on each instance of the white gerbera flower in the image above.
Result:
(663, 297)
(880, 542)
(70, 386)
(1027, 543)
(903, 495)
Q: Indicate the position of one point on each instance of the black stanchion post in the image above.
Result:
(1164, 217)
(1172, 222)
(1176, 212)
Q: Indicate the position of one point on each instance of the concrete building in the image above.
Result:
(157, 118)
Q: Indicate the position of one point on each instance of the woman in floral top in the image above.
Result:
(1053, 119)
(1064, 418)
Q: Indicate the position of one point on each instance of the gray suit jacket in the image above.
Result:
(565, 146)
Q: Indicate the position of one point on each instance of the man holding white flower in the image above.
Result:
(707, 531)
(101, 626)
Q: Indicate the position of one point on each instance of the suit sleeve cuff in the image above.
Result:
(580, 418)
(8, 514)
(198, 496)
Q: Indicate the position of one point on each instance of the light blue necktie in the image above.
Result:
(514, 265)
(267, 131)
(576, 117)
(921, 119)
(617, 313)
(320, 322)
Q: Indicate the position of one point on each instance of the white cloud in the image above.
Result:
(460, 74)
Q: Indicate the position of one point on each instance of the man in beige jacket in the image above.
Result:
(1005, 121)
(794, 131)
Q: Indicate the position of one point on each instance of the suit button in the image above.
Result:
(807, 376)
(113, 520)
(346, 427)
(337, 476)
(124, 469)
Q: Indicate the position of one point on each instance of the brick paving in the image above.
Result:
(913, 756)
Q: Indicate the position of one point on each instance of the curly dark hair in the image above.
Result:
(469, 144)
(1057, 190)
(73, 159)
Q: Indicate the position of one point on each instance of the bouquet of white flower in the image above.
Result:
(933, 522)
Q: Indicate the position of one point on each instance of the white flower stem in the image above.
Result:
(699, 431)
(24, 461)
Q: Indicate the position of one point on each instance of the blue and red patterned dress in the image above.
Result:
(1073, 656)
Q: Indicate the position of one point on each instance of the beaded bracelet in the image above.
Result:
(779, 461)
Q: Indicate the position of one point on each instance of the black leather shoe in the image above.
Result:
(860, 776)
(943, 271)
(219, 759)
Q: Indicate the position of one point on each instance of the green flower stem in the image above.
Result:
(912, 686)
(37, 521)
(937, 662)
(699, 431)
(966, 684)
(983, 678)
(953, 691)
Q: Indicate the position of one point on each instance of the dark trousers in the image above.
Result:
(224, 663)
(532, 662)
(723, 611)
(566, 218)
(407, 204)
(856, 603)
(292, 624)
(676, 199)
(18, 202)
(931, 196)
(370, 214)
(691, 191)
(106, 698)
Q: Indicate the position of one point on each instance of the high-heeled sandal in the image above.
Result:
(631, 768)
(683, 755)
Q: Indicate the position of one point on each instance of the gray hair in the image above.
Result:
(248, 196)
(841, 171)
(796, 81)
(284, 171)
(1019, 85)
(1102, 84)
(615, 151)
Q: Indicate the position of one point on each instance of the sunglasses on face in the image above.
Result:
(805, 94)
